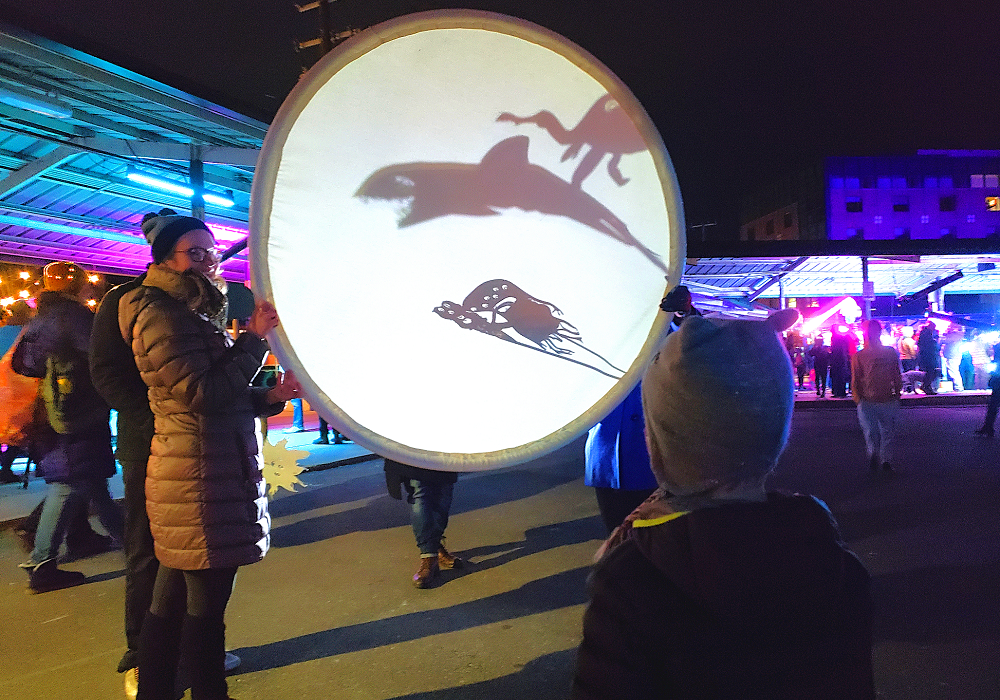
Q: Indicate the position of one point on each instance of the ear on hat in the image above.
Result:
(783, 319)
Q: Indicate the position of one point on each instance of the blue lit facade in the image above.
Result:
(932, 196)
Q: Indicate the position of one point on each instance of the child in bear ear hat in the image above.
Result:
(716, 587)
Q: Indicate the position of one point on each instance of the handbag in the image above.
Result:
(19, 404)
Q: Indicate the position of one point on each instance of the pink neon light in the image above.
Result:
(816, 321)
(228, 234)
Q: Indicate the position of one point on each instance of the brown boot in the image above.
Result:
(427, 572)
(446, 560)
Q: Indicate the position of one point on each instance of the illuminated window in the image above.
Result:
(899, 183)
(992, 181)
(884, 183)
(925, 219)
(970, 218)
(975, 181)
(930, 182)
(852, 183)
(853, 204)
(878, 219)
(993, 204)
(948, 203)
(901, 232)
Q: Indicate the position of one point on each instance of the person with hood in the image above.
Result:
(716, 587)
(205, 491)
(74, 449)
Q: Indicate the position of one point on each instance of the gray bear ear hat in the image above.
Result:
(163, 229)
(718, 401)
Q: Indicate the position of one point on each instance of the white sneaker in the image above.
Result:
(131, 683)
(232, 661)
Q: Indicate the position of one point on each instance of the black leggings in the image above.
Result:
(208, 591)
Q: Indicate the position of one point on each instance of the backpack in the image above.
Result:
(72, 404)
(19, 405)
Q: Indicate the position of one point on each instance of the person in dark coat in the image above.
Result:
(116, 378)
(929, 357)
(429, 494)
(716, 587)
(840, 363)
(75, 449)
(820, 355)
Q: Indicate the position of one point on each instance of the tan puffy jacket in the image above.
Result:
(205, 493)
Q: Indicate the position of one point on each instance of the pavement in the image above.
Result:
(331, 613)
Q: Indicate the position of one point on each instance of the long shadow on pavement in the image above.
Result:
(561, 590)
(382, 512)
(546, 678)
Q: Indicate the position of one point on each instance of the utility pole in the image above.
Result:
(327, 38)
(703, 227)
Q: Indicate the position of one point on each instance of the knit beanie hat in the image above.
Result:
(164, 229)
(718, 401)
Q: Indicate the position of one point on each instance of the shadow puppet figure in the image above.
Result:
(504, 179)
(606, 128)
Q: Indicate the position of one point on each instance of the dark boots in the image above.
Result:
(204, 645)
(159, 652)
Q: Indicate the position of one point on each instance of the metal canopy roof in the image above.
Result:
(72, 125)
(828, 276)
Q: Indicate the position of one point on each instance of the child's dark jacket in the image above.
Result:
(743, 600)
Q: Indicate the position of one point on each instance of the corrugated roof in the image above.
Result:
(71, 125)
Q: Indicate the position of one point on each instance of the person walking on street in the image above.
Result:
(876, 384)
(993, 404)
(75, 447)
(429, 492)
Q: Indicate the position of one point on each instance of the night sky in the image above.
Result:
(741, 91)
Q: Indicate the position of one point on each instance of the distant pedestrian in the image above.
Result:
(820, 356)
(876, 383)
(993, 405)
(928, 357)
(840, 362)
(908, 349)
(715, 587)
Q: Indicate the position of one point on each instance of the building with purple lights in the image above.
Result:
(943, 196)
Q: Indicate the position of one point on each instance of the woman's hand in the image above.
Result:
(264, 319)
(287, 387)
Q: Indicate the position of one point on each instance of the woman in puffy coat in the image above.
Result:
(205, 493)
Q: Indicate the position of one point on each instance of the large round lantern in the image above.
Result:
(466, 223)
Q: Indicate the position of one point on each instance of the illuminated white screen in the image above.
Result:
(442, 158)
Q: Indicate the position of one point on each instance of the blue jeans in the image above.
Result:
(431, 504)
(63, 501)
(878, 423)
(297, 421)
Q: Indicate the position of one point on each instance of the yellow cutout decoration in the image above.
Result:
(281, 467)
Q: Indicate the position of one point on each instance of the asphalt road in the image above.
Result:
(330, 612)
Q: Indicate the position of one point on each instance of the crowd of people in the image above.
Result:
(959, 359)
(709, 584)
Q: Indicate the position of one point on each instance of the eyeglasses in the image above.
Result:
(198, 254)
